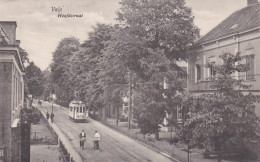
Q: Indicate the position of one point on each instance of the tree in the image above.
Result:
(47, 83)
(60, 68)
(35, 79)
(152, 36)
(86, 68)
(159, 24)
(227, 116)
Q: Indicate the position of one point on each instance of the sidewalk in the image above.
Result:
(45, 153)
(73, 154)
(44, 144)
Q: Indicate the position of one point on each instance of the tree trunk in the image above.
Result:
(100, 113)
(94, 111)
(171, 131)
(219, 155)
(218, 149)
(157, 134)
(104, 113)
(117, 115)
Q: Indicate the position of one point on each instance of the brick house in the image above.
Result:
(240, 32)
(11, 93)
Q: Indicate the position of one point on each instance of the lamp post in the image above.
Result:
(130, 100)
(52, 105)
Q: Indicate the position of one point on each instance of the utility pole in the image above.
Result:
(52, 105)
(130, 100)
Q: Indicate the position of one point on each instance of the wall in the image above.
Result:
(5, 106)
(232, 44)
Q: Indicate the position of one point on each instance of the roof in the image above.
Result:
(242, 20)
(77, 103)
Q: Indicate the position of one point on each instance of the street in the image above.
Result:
(113, 145)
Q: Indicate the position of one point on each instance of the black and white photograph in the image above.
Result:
(129, 81)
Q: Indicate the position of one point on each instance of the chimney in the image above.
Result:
(10, 29)
(17, 43)
(251, 2)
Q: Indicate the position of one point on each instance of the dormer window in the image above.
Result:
(233, 27)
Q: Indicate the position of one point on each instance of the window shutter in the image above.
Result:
(252, 66)
(242, 75)
(250, 73)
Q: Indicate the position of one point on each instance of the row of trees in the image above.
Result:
(144, 47)
(150, 37)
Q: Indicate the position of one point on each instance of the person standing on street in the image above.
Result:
(52, 117)
(82, 137)
(47, 116)
(97, 138)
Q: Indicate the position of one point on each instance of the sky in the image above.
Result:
(40, 29)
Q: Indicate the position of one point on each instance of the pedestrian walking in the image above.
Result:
(82, 139)
(96, 141)
(47, 116)
(52, 117)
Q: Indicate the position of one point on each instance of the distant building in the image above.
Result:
(176, 117)
(11, 93)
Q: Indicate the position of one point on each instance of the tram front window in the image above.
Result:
(80, 109)
(77, 109)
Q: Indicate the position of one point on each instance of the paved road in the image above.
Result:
(114, 146)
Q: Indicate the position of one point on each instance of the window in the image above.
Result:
(250, 74)
(179, 114)
(212, 71)
(77, 109)
(197, 73)
(212, 61)
(2, 154)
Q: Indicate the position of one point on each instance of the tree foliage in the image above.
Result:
(86, 66)
(35, 79)
(227, 115)
(60, 68)
(159, 24)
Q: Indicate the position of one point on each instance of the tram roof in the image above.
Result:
(77, 103)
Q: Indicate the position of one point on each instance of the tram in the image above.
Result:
(78, 111)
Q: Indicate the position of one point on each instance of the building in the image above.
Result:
(11, 93)
(240, 32)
